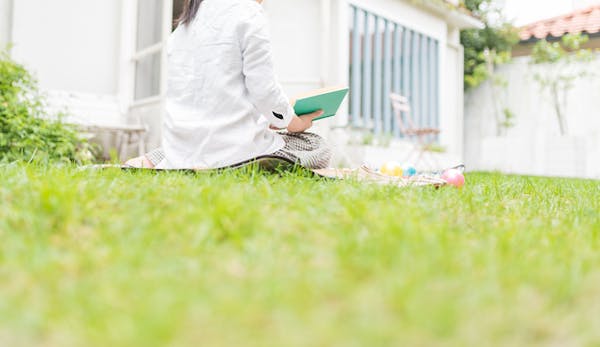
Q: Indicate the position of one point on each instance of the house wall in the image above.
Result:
(296, 34)
(300, 34)
(71, 45)
(6, 10)
(534, 145)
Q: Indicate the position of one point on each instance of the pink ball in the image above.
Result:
(454, 177)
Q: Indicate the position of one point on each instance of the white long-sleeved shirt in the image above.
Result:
(222, 91)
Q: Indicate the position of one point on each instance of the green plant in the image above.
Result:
(368, 139)
(498, 87)
(565, 57)
(435, 148)
(509, 117)
(492, 44)
(27, 132)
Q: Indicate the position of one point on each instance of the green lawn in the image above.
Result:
(250, 259)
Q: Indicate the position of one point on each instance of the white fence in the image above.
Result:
(534, 145)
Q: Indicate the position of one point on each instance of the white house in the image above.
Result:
(105, 59)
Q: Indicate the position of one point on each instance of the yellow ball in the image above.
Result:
(392, 169)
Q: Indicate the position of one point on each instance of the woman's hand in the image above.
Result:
(302, 123)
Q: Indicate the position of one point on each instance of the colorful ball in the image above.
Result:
(454, 177)
(392, 169)
(409, 170)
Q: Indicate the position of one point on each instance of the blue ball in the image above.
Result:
(409, 171)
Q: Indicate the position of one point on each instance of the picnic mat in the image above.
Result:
(275, 164)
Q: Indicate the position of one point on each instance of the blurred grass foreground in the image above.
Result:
(110, 258)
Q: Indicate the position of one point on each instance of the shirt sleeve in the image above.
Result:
(258, 69)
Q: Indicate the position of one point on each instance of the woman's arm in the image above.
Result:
(301, 123)
(258, 69)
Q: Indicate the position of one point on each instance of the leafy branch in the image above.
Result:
(495, 40)
(565, 58)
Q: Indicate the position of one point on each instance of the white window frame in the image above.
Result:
(130, 56)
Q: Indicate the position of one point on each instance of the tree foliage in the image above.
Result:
(564, 57)
(27, 132)
(490, 44)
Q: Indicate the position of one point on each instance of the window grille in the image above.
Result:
(387, 57)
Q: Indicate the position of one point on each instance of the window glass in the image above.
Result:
(147, 76)
(149, 24)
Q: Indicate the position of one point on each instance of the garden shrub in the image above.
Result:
(28, 133)
(487, 47)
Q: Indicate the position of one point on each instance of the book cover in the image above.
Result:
(329, 100)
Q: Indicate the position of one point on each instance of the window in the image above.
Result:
(387, 57)
(151, 23)
(148, 57)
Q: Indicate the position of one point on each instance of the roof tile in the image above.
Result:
(586, 20)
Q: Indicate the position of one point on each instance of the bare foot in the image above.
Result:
(140, 163)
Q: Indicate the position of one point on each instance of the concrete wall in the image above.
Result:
(534, 146)
(71, 45)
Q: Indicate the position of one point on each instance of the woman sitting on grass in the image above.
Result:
(223, 100)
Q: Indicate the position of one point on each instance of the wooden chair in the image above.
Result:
(421, 137)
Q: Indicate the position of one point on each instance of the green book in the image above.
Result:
(329, 100)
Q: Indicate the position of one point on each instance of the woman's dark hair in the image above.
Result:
(190, 9)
